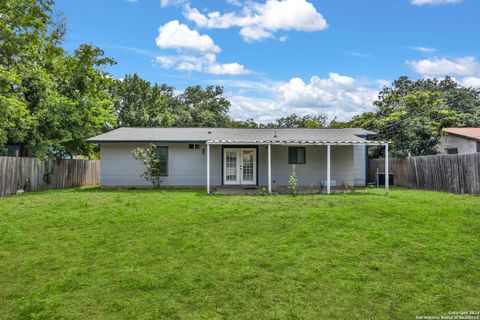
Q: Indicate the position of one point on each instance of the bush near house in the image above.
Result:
(149, 254)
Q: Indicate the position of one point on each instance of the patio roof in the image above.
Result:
(297, 142)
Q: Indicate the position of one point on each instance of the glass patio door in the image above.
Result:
(231, 167)
(239, 166)
(247, 167)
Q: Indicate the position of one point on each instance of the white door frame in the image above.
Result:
(239, 166)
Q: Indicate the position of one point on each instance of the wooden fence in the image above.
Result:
(450, 173)
(32, 174)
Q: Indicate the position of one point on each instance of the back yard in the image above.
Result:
(90, 253)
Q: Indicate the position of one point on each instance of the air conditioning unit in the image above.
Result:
(333, 183)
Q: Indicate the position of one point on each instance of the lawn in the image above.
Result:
(138, 254)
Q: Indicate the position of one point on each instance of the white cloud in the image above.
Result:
(335, 96)
(195, 52)
(259, 21)
(227, 68)
(235, 3)
(166, 3)
(424, 49)
(433, 2)
(174, 35)
(166, 62)
(465, 70)
(465, 66)
(473, 82)
(201, 63)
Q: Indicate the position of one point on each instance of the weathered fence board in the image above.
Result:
(32, 174)
(445, 172)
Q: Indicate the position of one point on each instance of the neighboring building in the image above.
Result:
(214, 157)
(460, 141)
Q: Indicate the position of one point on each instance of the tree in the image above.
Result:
(51, 101)
(335, 124)
(138, 103)
(15, 119)
(249, 124)
(88, 108)
(411, 114)
(198, 107)
(25, 37)
(295, 121)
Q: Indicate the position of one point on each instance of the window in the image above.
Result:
(194, 146)
(478, 146)
(296, 155)
(162, 153)
(452, 150)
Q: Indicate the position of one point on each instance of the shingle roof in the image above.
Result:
(473, 133)
(225, 135)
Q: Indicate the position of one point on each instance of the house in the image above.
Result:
(216, 157)
(460, 141)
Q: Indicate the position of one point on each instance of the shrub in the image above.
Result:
(293, 182)
(150, 158)
(262, 191)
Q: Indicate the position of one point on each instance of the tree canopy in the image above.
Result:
(51, 101)
(411, 114)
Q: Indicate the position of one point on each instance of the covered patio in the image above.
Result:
(230, 155)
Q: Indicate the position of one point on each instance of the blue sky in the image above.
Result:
(276, 57)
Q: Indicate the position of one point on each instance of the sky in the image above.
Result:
(277, 57)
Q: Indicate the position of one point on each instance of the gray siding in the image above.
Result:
(188, 167)
(360, 165)
(464, 145)
(314, 170)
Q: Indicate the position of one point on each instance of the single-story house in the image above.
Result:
(460, 141)
(216, 157)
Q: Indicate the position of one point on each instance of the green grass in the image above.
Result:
(138, 254)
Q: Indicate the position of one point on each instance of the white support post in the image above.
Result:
(328, 169)
(208, 168)
(387, 178)
(269, 168)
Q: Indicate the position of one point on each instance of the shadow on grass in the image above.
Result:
(134, 190)
(357, 192)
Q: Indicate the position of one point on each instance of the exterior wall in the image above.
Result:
(187, 167)
(314, 171)
(360, 165)
(464, 145)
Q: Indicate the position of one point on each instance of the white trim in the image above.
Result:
(239, 166)
(208, 168)
(293, 143)
(328, 169)
(269, 168)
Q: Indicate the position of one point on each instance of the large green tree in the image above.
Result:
(138, 103)
(411, 114)
(202, 107)
(50, 101)
(295, 121)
